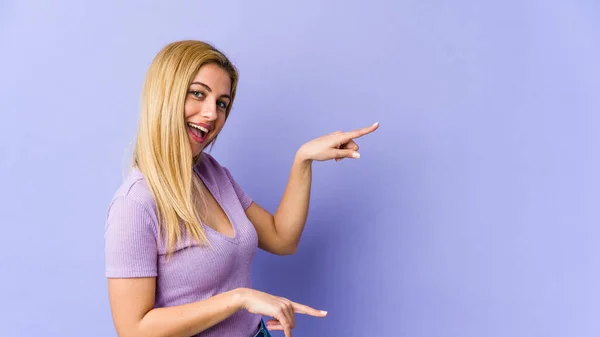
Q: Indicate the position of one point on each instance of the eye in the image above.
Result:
(196, 93)
(222, 105)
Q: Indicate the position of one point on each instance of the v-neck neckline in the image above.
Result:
(215, 196)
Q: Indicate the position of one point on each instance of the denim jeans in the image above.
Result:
(262, 330)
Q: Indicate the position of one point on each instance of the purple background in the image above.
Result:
(473, 211)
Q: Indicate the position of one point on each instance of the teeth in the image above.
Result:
(203, 129)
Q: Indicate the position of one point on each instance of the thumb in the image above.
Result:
(346, 153)
(274, 325)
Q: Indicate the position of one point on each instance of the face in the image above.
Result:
(206, 102)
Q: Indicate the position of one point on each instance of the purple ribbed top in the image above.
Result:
(192, 272)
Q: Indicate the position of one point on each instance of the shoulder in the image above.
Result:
(208, 165)
(216, 174)
(133, 196)
(209, 162)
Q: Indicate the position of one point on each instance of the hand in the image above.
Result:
(281, 309)
(336, 145)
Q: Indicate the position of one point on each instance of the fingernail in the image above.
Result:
(375, 123)
(324, 312)
(356, 155)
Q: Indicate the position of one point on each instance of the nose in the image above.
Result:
(209, 110)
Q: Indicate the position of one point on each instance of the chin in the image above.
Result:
(197, 149)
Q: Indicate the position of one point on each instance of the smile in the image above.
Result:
(198, 131)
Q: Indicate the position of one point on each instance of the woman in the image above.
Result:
(180, 232)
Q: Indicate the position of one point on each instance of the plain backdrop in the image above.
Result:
(474, 210)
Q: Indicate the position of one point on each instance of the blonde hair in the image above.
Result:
(162, 150)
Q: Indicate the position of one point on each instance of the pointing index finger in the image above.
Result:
(360, 132)
(305, 309)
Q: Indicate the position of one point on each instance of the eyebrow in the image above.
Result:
(209, 89)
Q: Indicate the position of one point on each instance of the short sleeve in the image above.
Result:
(130, 240)
(244, 198)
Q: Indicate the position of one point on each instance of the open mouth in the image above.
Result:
(198, 131)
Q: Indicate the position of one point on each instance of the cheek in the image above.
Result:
(221, 120)
(189, 109)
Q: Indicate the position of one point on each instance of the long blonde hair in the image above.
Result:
(162, 150)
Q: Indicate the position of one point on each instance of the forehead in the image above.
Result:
(215, 77)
